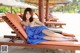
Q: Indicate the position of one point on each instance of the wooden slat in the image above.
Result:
(54, 46)
(9, 36)
(57, 23)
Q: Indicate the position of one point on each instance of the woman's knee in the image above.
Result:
(49, 38)
(48, 32)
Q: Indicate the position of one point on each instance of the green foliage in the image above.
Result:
(14, 10)
(4, 9)
(69, 8)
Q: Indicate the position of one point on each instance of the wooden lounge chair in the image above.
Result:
(60, 24)
(14, 23)
(52, 18)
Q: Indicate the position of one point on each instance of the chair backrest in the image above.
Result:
(50, 17)
(15, 19)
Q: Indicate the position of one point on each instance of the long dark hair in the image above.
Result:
(24, 15)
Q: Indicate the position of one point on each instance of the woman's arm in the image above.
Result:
(38, 22)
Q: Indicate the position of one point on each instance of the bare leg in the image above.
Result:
(52, 38)
(63, 33)
(55, 35)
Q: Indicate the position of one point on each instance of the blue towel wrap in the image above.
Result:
(35, 35)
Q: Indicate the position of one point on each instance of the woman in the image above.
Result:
(37, 31)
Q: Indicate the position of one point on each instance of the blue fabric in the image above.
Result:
(35, 34)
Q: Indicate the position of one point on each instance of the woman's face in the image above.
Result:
(28, 15)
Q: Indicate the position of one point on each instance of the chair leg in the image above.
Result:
(60, 26)
(72, 51)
